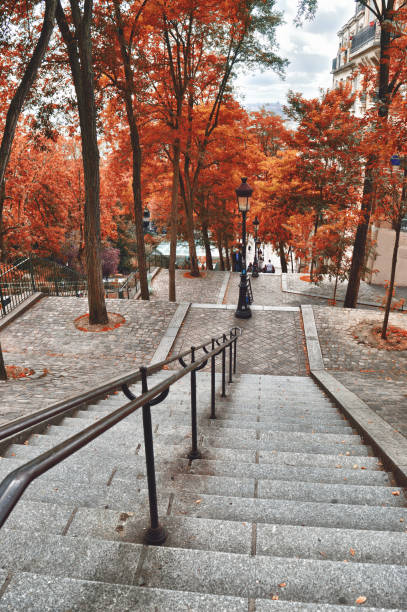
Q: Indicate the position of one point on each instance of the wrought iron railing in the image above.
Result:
(364, 36)
(35, 274)
(14, 485)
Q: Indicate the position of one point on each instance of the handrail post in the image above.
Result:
(194, 453)
(213, 414)
(230, 358)
(155, 534)
(223, 394)
(234, 354)
(32, 274)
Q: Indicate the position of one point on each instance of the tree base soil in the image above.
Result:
(367, 333)
(114, 320)
(14, 372)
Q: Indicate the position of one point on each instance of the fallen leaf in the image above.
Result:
(401, 520)
(282, 584)
(322, 553)
(338, 466)
(355, 467)
(395, 493)
(361, 599)
(352, 552)
(198, 501)
(347, 453)
(275, 597)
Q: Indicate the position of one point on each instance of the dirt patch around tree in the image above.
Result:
(115, 320)
(370, 334)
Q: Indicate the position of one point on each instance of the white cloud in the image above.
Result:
(309, 49)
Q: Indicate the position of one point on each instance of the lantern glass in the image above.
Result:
(243, 203)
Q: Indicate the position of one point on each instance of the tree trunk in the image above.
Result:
(80, 59)
(20, 96)
(221, 260)
(359, 247)
(391, 285)
(2, 199)
(205, 236)
(283, 260)
(174, 219)
(136, 154)
(311, 270)
(3, 373)
(227, 254)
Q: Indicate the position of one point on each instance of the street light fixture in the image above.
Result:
(243, 194)
(255, 272)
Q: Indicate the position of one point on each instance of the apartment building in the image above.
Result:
(359, 44)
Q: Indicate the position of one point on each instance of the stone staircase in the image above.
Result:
(286, 510)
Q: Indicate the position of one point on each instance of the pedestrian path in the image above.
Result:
(286, 510)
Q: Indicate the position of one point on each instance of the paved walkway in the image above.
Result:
(272, 342)
(378, 377)
(204, 290)
(45, 339)
(267, 292)
(371, 294)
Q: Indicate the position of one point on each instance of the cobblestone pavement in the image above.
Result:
(378, 377)
(267, 292)
(367, 293)
(204, 290)
(44, 338)
(272, 342)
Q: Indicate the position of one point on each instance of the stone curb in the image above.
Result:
(322, 295)
(389, 443)
(223, 289)
(252, 307)
(168, 339)
(11, 316)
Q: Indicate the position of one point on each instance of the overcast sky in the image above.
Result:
(309, 49)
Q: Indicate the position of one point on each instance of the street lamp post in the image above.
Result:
(243, 194)
(255, 272)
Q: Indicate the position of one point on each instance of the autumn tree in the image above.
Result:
(329, 144)
(390, 15)
(75, 29)
(120, 68)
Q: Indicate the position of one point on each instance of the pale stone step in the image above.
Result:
(276, 511)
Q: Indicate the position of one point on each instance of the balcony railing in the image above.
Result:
(363, 37)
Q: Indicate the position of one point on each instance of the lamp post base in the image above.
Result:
(243, 314)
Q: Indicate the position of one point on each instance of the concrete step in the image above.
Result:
(284, 443)
(309, 581)
(283, 512)
(37, 593)
(90, 456)
(171, 474)
(355, 546)
(176, 420)
(220, 573)
(299, 473)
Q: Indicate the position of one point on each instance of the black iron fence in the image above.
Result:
(363, 37)
(14, 485)
(35, 274)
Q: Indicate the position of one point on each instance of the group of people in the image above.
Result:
(237, 261)
(268, 267)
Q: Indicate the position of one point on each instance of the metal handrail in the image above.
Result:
(24, 422)
(15, 483)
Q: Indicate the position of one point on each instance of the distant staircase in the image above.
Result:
(286, 510)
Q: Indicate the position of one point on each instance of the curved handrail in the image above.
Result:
(22, 423)
(15, 483)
